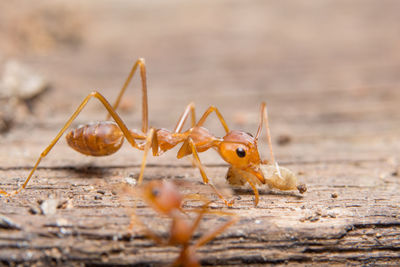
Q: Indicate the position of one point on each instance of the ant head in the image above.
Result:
(239, 149)
(162, 196)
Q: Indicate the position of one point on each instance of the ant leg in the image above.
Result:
(140, 62)
(149, 233)
(264, 119)
(198, 197)
(189, 109)
(196, 223)
(151, 142)
(203, 173)
(195, 197)
(107, 105)
(219, 115)
(198, 219)
(206, 238)
(255, 190)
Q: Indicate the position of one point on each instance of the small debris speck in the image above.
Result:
(101, 192)
(34, 210)
(49, 206)
(130, 181)
(332, 214)
(7, 223)
(65, 204)
(396, 172)
(334, 195)
(314, 218)
(61, 222)
(302, 188)
(284, 139)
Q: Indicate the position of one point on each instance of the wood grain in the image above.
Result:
(329, 73)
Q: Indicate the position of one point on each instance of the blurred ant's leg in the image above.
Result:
(206, 238)
(194, 197)
(199, 217)
(264, 119)
(219, 115)
(190, 109)
(149, 233)
(114, 115)
(204, 209)
(198, 197)
(151, 142)
(140, 62)
(187, 251)
(203, 173)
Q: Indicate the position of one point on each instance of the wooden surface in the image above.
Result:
(328, 71)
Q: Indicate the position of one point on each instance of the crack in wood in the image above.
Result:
(82, 168)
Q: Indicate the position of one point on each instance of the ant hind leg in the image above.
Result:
(109, 108)
(141, 64)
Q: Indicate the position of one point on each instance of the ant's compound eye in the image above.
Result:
(240, 152)
(155, 192)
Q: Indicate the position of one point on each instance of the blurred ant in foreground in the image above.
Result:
(165, 199)
(237, 148)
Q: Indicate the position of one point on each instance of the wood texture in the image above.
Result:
(328, 71)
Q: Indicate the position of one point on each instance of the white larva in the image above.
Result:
(275, 177)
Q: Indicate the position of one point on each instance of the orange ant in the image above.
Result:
(165, 199)
(103, 138)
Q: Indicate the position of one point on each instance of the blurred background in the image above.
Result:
(328, 70)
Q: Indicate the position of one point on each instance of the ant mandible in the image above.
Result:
(103, 138)
(165, 199)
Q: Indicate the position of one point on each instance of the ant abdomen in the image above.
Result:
(96, 139)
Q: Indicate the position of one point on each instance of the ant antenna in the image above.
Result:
(264, 119)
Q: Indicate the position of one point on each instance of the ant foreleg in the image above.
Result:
(255, 190)
(203, 173)
(219, 115)
(140, 62)
(114, 115)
